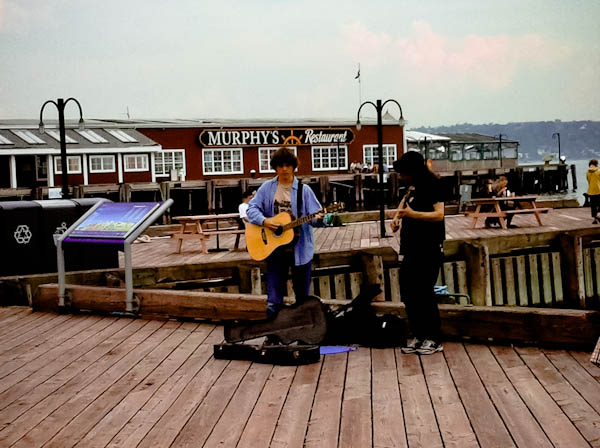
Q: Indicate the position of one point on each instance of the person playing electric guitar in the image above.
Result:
(277, 195)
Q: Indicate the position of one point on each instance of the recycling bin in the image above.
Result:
(56, 217)
(20, 238)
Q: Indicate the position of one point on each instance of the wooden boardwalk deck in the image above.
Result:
(162, 252)
(96, 381)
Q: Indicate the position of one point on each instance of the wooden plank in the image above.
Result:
(575, 374)
(394, 274)
(522, 281)
(199, 426)
(522, 426)
(138, 427)
(324, 287)
(340, 286)
(451, 417)
(324, 424)
(387, 406)
(102, 433)
(485, 420)
(497, 281)
(546, 278)
(556, 425)
(73, 373)
(19, 368)
(461, 274)
(355, 283)
(229, 428)
(419, 417)
(165, 431)
(581, 414)
(583, 358)
(448, 269)
(45, 419)
(18, 319)
(596, 255)
(587, 273)
(355, 426)
(293, 421)
(32, 335)
(85, 420)
(261, 425)
(509, 285)
(534, 279)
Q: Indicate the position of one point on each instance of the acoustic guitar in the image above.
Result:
(262, 241)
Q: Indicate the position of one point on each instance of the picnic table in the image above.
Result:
(199, 227)
(522, 205)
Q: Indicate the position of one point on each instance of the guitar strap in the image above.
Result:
(299, 200)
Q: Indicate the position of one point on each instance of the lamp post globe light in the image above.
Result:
(60, 105)
(379, 108)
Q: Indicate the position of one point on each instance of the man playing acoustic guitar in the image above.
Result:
(275, 196)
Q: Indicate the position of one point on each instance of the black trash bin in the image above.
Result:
(21, 238)
(57, 216)
(85, 256)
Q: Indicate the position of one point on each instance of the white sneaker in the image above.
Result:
(411, 346)
(429, 347)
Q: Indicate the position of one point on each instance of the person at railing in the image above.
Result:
(422, 214)
(593, 178)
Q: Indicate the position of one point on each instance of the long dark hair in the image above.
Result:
(413, 164)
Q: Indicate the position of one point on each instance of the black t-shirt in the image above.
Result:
(417, 234)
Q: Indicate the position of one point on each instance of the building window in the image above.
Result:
(73, 165)
(169, 159)
(122, 136)
(264, 158)
(102, 164)
(371, 155)
(223, 161)
(29, 137)
(135, 162)
(5, 141)
(326, 158)
(91, 136)
(56, 136)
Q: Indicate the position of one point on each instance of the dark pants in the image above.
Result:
(418, 274)
(278, 265)
(595, 204)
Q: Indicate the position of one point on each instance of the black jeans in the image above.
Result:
(418, 274)
(595, 204)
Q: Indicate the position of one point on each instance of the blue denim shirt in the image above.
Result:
(262, 207)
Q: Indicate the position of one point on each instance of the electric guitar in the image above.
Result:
(403, 203)
(262, 241)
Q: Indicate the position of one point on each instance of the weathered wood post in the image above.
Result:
(358, 190)
(373, 273)
(477, 257)
(571, 264)
(574, 177)
(324, 188)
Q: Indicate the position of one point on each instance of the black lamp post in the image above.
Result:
(557, 134)
(500, 147)
(60, 105)
(379, 108)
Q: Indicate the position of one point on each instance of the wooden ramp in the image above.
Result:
(96, 381)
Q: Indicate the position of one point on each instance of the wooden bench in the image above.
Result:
(196, 227)
(526, 205)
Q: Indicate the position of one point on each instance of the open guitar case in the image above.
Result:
(294, 335)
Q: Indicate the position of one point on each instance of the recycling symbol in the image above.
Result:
(61, 229)
(22, 234)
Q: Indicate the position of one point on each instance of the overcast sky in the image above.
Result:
(446, 62)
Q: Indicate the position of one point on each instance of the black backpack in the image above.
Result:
(357, 323)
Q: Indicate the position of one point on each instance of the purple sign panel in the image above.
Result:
(114, 220)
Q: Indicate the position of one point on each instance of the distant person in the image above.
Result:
(422, 214)
(593, 178)
(243, 207)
